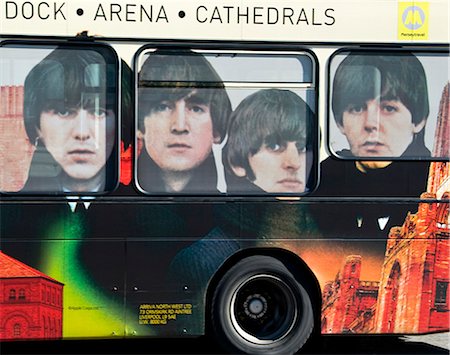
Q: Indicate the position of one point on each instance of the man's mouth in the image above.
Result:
(291, 184)
(179, 146)
(81, 155)
(372, 146)
(81, 152)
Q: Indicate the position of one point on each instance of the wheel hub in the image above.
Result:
(255, 306)
(263, 309)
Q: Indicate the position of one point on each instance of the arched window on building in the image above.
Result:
(392, 292)
(49, 328)
(441, 293)
(45, 327)
(324, 325)
(12, 294)
(17, 330)
(22, 294)
(52, 328)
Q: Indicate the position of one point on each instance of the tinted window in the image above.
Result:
(387, 105)
(235, 123)
(58, 119)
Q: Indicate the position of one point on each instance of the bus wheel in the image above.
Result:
(259, 307)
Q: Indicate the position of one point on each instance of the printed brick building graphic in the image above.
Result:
(413, 294)
(347, 302)
(31, 303)
(15, 149)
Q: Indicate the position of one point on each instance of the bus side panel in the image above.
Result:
(143, 269)
(109, 264)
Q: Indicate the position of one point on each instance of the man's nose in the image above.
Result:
(291, 157)
(82, 129)
(179, 119)
(372, 119)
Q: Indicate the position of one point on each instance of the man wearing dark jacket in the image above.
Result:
(380, 104)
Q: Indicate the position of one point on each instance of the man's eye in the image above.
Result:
(356, 109)
(98, 113)
(301, 148)
(197, 109)
(275, 147)
(63, 113)
(389, 108)
(162, 107)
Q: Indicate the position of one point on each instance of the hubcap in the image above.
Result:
(263, 309)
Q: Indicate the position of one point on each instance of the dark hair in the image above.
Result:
(364, 76)
(172, 75)
(60, 80)
(266, 116)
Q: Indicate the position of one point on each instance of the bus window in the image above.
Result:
(235, 123)
(383, 105)
(59, 118)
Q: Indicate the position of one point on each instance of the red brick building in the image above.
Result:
(347, 302)
(15, 149)
(413, 294)
(31, 303)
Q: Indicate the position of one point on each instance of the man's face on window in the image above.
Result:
(379, 128)
(79, 139)
(279, 167)
(178, 135)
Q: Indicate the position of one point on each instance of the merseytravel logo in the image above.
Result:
(413, 18)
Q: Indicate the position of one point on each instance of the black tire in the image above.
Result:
(259, 307)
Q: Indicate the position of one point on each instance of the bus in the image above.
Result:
(262, 172)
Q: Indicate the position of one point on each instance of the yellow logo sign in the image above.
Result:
(413, 18)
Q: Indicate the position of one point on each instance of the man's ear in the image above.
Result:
(419, 126)
(217, 139)
(38, 137)
(239, 171)
(341, 128)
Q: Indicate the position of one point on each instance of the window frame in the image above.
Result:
(444, 303)
(254, 50)
(372, 49)
(113, 162)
